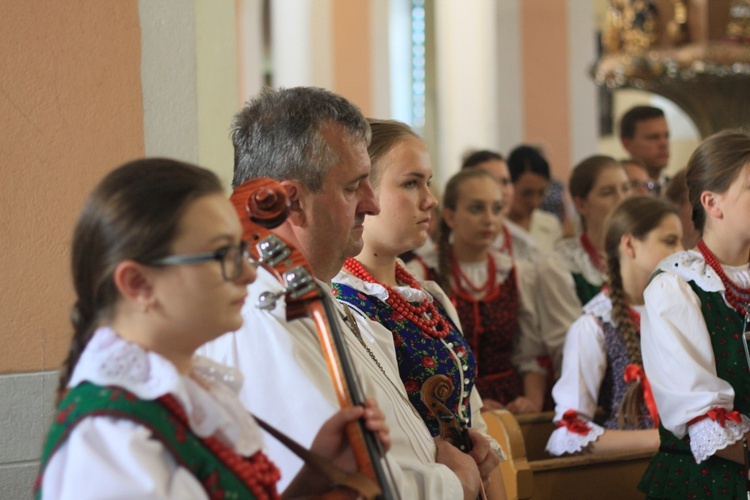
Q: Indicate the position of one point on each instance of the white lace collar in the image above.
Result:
(601, 306)
(578, 260)
(209, 394)
(377, 290)
(691, 266)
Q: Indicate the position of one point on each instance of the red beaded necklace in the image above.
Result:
(257, 472)
(593, 254)
(737, 296)
(460, 278)
(425, 315)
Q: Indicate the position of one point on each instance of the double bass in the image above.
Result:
(262, 205)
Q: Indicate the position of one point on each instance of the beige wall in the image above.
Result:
(352, 52)
(545, 64)
(70, 102)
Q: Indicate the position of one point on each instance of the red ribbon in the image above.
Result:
(635, 372)
(719, 415)
(570, 420)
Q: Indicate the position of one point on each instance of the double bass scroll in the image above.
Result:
(262, 204)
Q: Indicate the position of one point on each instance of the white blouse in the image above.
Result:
(557, 301)
(103, 454)
(584, 364)
(678, 356)
(522, 244)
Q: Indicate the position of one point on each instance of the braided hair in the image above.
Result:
(637, 215)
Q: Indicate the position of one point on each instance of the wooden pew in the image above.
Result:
(610, 476)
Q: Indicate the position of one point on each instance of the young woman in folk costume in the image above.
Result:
(576, 269)
(424, 325)
(512, 240)
(692, 334)
(159, 268)
(491, 293)
(602, 365)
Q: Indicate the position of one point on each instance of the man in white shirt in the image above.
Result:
(644, 133)
(315, 143)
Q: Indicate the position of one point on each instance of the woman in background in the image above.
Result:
(576, 270)
(602, 365)
(530, 173)
(513, 240)
(425, 328)
(492, 293)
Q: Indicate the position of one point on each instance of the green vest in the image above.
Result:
(188, 449)
(673, 472)
(585, 291)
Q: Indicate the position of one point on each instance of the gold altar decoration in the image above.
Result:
(694, 52)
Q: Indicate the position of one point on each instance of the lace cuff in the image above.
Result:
(709, 435)
(563, 440)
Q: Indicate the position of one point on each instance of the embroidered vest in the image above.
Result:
(188, 450)
(673, 472)
(420, 356)
(613, 386)
(491, 326)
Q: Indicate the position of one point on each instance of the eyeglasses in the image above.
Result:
(230, 257)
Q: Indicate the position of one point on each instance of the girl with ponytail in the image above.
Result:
(695, 324)
(602, 365)
(159, 268)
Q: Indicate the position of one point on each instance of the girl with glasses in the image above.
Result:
(576, 269)
(159, 268)
(602, 365)
(694, 344)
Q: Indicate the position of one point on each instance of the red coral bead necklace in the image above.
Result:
(737, 296)
(425, 315)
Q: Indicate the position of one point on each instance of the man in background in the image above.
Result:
(644, 133)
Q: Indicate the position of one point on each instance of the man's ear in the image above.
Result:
(712, 204)
(626, 143)
(133, 281)
(297, 202)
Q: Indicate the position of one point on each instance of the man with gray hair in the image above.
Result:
(315, 143)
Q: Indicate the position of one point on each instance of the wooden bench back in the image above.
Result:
(611, 476)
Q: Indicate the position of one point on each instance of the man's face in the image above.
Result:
(335, 214)
(650, 144)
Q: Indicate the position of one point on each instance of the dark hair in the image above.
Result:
(385, 135)
(527, 159)
(584, 174)
(677, 190)
(133, 213)
(714, 166)
(279, 135)
(637, 215)
(634, 115)
(632, 161)
(450, 199)
(482, 156)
